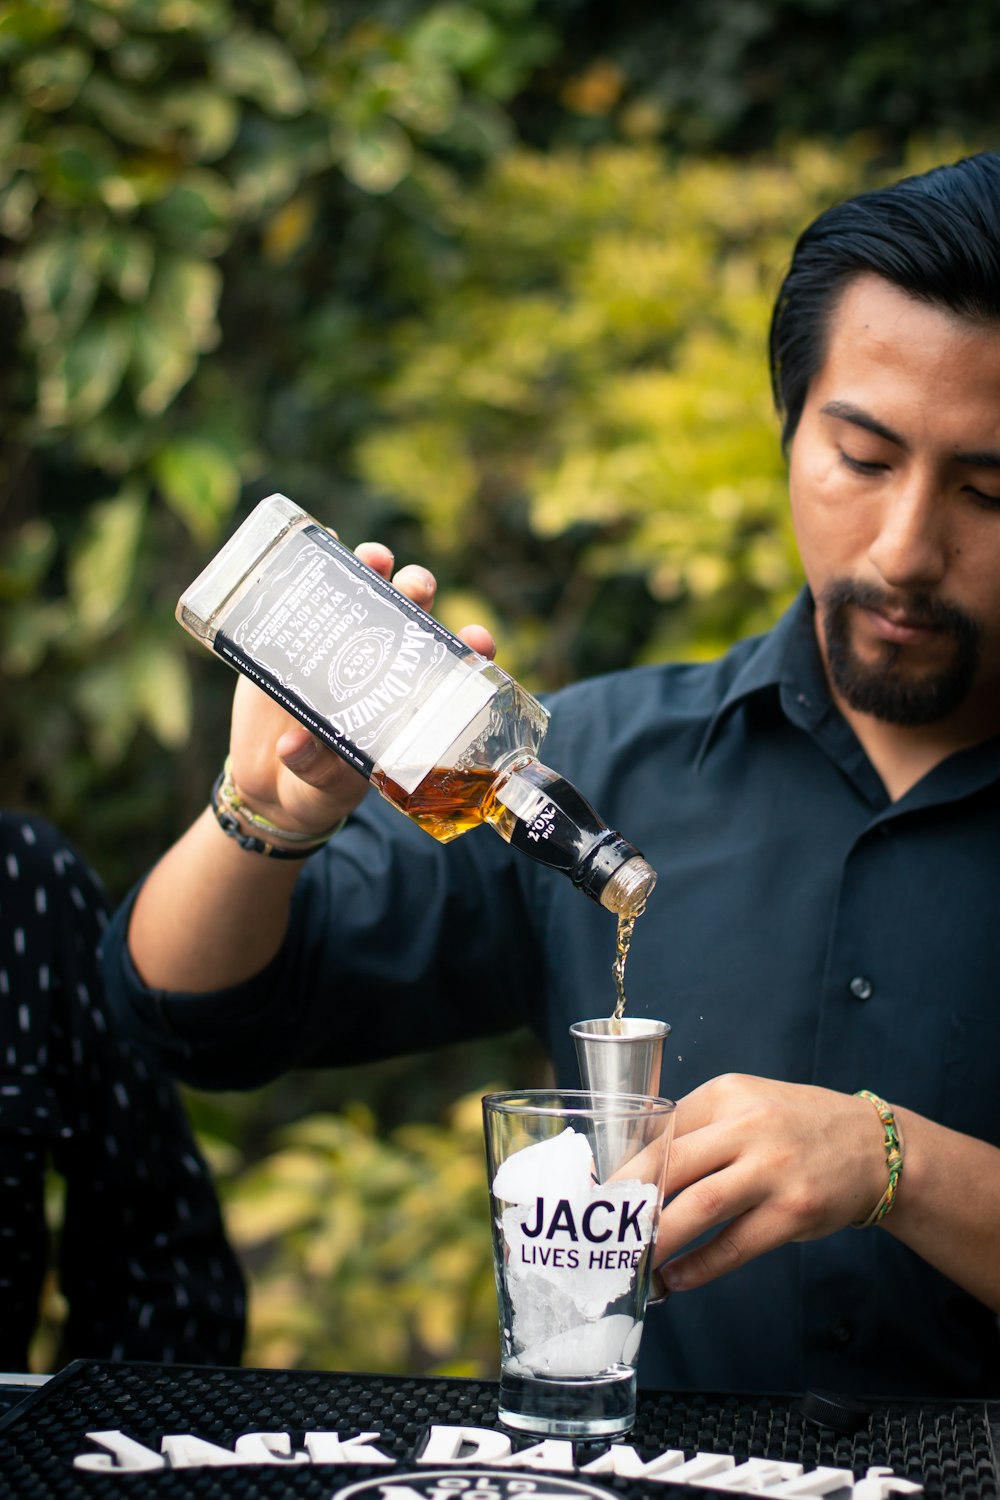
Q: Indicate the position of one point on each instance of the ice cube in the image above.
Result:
(630, 1353)
(586, 1349)
(560, 1167)
(540, 1310)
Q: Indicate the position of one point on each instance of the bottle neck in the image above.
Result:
(544, 816)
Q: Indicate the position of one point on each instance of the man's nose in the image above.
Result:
(910, 549)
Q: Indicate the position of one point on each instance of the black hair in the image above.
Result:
(935, 236)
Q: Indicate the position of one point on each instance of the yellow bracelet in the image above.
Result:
(893, 1143)
(233, 802)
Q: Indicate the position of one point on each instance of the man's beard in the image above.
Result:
(891, 688)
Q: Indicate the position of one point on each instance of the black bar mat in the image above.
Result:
(946, 1448)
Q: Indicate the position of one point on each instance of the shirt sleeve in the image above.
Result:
(396, 944)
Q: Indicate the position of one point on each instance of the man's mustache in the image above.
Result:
(917, 608)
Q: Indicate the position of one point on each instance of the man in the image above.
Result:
(822, 806)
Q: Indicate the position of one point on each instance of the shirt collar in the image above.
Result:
(786, 663)
(786, 660)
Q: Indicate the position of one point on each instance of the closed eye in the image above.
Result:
(988, 502)
(861, 465)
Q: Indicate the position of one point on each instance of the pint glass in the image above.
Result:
(576, 1183)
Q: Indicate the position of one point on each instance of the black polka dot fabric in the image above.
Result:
(143, 1260)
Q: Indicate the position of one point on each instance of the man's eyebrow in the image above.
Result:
(845, 411)
(987, 460)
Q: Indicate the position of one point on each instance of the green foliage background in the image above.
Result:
(489, 281)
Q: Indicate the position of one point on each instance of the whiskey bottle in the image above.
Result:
(442, 733)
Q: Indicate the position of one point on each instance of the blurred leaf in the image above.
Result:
(222, 1156)
(424, 98)
(138, 58)
(199, 17)
(102, 693)
(257, 1219)
(162, 693)
(169, 330)
(335, 1241)
(438, 1317)
(125, 259)
(26, 558)
(196, 214)
(12, 123)
(478, 130)
(102, 567)
(200, 483)
(75, 164)
(428, 464)
(288, 228)
(461, 36)
(161, 364)
(28, 633)
(378, 158)
(256, 66)
(57, 286)
(136, 180)
(51, 80)
(125, 113)
(17, 204)
(206, 119)
(137, 682)
(186, 292)
(25, 24)
(82, 378)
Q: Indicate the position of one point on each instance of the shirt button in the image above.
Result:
(842, 1331)
(861, 987)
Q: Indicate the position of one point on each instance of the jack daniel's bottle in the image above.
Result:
(441, 732)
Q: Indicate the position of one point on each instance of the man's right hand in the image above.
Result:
(281, 770)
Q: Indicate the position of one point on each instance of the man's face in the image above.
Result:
(895, 490)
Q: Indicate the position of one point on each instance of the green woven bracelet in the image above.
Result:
(893, 1158)
(228, 808)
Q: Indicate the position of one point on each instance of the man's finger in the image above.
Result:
(741, 1239)
(702, 1153)
(377, 556)
(417, 583)
(479, 638)
(708, 1202)
(308, 757)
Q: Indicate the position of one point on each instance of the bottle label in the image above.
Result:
(358, 663)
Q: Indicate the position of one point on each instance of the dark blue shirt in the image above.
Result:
(803, 928)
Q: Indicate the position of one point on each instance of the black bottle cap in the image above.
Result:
(600, 862)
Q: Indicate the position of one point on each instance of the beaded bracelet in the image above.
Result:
(893, 1143)
(229, 807)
